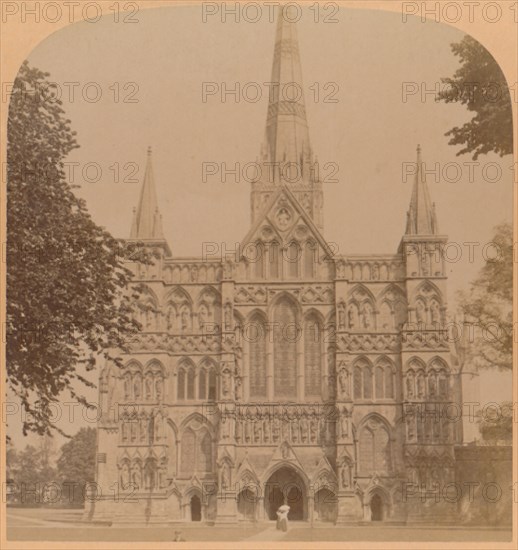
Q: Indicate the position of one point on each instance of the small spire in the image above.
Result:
(421, 215)
(146, 218)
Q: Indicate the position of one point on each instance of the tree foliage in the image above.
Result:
(76, 464)
(497, 426)
(488, 304)
(68, 297)
(480, 85)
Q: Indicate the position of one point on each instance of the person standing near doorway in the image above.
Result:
(282, 517)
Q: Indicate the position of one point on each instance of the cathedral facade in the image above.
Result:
(283, 372)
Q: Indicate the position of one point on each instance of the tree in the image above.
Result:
(76, 465)
(489, 302)
(480, 85)
(34, 476)
(497, 426)
(68, 291)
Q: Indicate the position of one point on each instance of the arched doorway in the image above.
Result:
(285, 486)
(326, 505)
(246, 504)
(376, 506)
(195, 506)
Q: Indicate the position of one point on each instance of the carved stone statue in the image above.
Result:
(344, 423)
(409, 387)
(227, 383)
(313, 429)
(227, 270)
(341, 318)
(225, 476)
(257, 430)
(420, 312)
(285, 450)
(125, 476)
(367, 315)
(351, 317)
(228, 317)
(435, 313)
(343, 381)
(345, 475)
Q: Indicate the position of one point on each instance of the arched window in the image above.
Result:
(274, 260)
(211, 396)
(188, 454)
(196, 455)
(202, 384)
(259, 261)
(357, 383)
(181, 384)
(312, 356)
(309, 259)
(127, 386)
(374, 448)
(285, 350)
(257, 347)
(292, 259)
(379, 382)
(204, 458)
(389, 382)
(367, 382)
(190, 383)
(443, 384)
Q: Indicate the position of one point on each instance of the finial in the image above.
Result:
(149, 150)
(418, 149)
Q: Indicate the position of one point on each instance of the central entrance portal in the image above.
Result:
(285, 486)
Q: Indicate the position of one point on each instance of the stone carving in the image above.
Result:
(343, 381)
(317, 295)
(228, 316)
(227, 383)
(345, 475)
(341, 316)
(249, 295)
(225, 476)
(368, 342)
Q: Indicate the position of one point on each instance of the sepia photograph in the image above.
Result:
(257, 277)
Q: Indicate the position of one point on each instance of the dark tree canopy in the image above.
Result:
(480, 85)
(68, 297)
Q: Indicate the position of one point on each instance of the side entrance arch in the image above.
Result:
(378, 506)
(195, 508)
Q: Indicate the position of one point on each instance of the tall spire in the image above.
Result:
(421, 218)
(287, 135)
(147, 220)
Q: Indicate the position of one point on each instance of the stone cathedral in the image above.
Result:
(284, 372)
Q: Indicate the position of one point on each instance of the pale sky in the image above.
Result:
(162, 62)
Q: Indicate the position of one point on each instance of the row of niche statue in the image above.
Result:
(362, 318)
(306, 428)
(185, 318)
(144, 428)
(137, 476)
